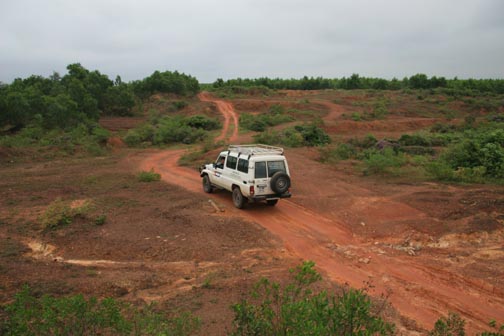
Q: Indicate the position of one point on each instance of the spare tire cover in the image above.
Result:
(280, 182)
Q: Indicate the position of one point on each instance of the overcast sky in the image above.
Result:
(212, 39)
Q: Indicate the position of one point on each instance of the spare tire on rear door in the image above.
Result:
(280, 182)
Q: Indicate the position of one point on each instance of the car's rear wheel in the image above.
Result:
(207, 186)
(272, 202)
(280, 182)
(238, 199)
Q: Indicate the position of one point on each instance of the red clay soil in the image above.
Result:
(360, 236)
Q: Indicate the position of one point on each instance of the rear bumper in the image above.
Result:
(258, 198)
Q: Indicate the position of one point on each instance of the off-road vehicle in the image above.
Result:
(251, 172)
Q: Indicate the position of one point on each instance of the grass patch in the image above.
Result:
(76, 315)
(148, 176)
(61, 213)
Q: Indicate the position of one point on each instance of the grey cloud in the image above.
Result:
(244, 38)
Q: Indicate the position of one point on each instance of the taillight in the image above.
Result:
(252, 191)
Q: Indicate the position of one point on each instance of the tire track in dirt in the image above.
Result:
(227, 111)
(418, 292)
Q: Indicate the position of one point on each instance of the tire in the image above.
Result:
(207, 186)
(238, 199)
(272, 202)
(280, 182)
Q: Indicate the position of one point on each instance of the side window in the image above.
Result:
(220, 162)
(275, 166)
(243, 165)
(260, 169)
(231, 162)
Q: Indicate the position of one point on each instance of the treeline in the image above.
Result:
(79, 96)
(418, 81)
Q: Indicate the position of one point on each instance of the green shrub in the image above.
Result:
(295, 309)
(179, 104)
(60, 213)
(312, 135)
(417, 150)
(470, 175)
(356, 116)
(342, 151)
(100, 220)
(382, 162)
(269, 138)
(203, 122)
(297, 136)
(452, 325)
(479, 149)
(379, 110)
(174, 130)
(148, 176)
(75, 315)
(414, 140)
(367, 142)
(440, 170)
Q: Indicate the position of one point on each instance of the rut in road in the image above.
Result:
(418, 292)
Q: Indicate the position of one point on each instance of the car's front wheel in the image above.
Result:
(238, 199)
(207, 186)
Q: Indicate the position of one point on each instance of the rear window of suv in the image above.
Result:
(272, 168)
(275, 166)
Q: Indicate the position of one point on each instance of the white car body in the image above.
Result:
(259, 172)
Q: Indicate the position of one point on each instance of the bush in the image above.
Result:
(382, 162)
(75, 315)
(440, 170)
(148, 176)
(295, 309)
(312, 135)
(356, 116)
(482, 148)
(452, 325)
(442, 128)
(368, 141)
(60, 213)
(179, 104)
(174, 130)
(297, 136)
(203, 122)
(414, 140)
(342, 151)
(417, 150)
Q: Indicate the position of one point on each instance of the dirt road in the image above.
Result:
(325, 224)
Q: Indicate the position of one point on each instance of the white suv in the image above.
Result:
(251, 172)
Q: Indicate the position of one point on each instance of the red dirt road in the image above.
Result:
(420, 288)
(229, 116)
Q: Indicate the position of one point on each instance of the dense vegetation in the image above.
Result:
(63, 111)
(418, 81)
(75, 315)
(296, 308)
(161, 130)
(471, 152)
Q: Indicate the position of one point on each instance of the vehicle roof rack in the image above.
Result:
(256, 149)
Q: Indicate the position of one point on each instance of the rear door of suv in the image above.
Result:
(263, 171)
